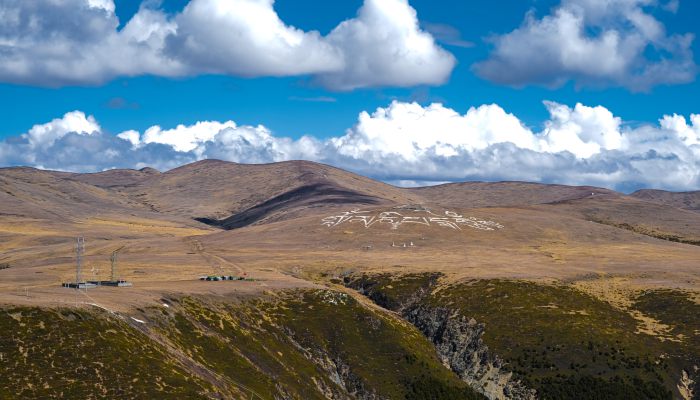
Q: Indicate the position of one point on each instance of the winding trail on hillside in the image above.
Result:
(216, 262)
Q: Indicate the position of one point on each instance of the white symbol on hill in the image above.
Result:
(421, 216)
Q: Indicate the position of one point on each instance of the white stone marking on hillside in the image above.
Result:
(419, 216)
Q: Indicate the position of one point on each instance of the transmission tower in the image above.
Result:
(79, 251)
(113, 259)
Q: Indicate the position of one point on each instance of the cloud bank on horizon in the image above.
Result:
(69, 42)
(403, 143)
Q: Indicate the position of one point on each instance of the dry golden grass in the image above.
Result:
(152, 216)
(142, 225)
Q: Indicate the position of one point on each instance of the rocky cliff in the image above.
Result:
(459, 344)
(513, 339)
(457, 338)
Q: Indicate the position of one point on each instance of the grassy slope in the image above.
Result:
(562, 342)
(383, 352)
(678, 311)
(78, 354)
(556, 339)
(283, 345)
(300, 345)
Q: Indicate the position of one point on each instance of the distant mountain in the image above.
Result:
(34, 193)
(684, 200)
(230, 196)
(506, 194)
(115, 177)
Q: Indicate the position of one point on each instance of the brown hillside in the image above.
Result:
(293, 220)
(217, 190)
(686, 200)
(505, 194)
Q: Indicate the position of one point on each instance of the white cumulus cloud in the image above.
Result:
(403, 142)
(57, 43)
(410, 131)
(186, 138)
(593, 43)
(76, 122)
(384, 45)
(583, 131)
(247, 37)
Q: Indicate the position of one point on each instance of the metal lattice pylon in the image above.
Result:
(113, 259)
(79, 251)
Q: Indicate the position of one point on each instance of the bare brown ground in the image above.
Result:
(166, 257)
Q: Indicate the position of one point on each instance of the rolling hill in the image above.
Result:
(685, 200)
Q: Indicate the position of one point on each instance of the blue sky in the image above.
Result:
(301, 104)
(137, 103)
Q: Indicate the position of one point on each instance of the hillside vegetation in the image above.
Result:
(299, 345)
(561, 342)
